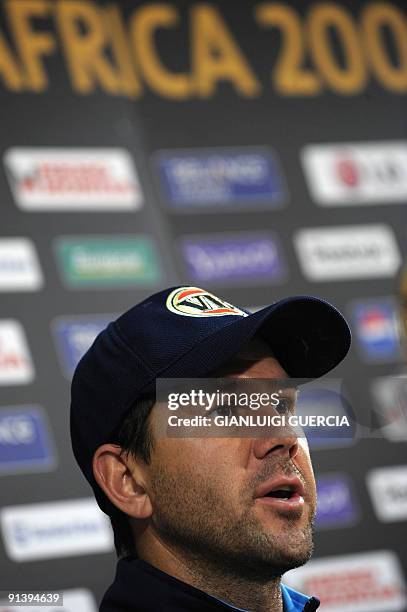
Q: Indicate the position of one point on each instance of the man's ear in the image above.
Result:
(122, 480)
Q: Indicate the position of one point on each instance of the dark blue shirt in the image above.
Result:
(140, 587)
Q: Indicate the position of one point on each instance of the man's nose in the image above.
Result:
(282, 444)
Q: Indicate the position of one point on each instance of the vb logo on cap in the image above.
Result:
(195, 302)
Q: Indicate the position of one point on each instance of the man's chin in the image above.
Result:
(262, 567)
(289, 561)
(288, 548)
(282, 561)
(280, 570)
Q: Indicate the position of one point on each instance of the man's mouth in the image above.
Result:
(283, 493)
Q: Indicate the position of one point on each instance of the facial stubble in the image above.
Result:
(194, 515)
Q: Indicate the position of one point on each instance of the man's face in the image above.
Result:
(208, 494)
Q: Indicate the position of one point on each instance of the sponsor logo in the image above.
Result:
(16, 367)
(225, 178)
(346, 174)
(55, 529)
(237, 258)
(19, 266)
(327, 398)
(347, 252)
(75, 600)
(363, 582)
(388, 490)
(74, 335)
(390, 395)
(336, 504)
(25, 441)
(377, 327)
(195, 302)
(73, 179)
(94, 262)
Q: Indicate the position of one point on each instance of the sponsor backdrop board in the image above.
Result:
(198, 144)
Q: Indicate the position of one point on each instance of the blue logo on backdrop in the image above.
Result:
(223, 178)
(336, 504)
(326, 398)
(25, 443)
(377, 329)
(233, 258)
(74, 336)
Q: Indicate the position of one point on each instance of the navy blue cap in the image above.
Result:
(187, 332)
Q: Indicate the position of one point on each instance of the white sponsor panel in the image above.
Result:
(356, 173)
(364, 582)
(347, 252)
(47, 179)
(75, 600)
(16, 367)
(388, 489)
(19, 266)
(55, 529)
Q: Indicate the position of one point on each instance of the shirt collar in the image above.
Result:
(293, 601)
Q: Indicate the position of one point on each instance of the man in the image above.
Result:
(201, 523)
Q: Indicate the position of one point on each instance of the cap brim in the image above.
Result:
(307, 335)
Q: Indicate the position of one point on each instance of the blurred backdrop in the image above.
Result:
(257, 149)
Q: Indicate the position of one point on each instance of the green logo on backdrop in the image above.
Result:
(108, 262)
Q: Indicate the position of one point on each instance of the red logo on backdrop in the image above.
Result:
(354, 586)
(347, 172)
(60, 177)
(10, 358)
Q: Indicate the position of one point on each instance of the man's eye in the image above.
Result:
(285, 406)
(222, 411)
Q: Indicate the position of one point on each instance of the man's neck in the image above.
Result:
(241, 591)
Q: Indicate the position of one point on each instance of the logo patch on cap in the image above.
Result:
(195, 302)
